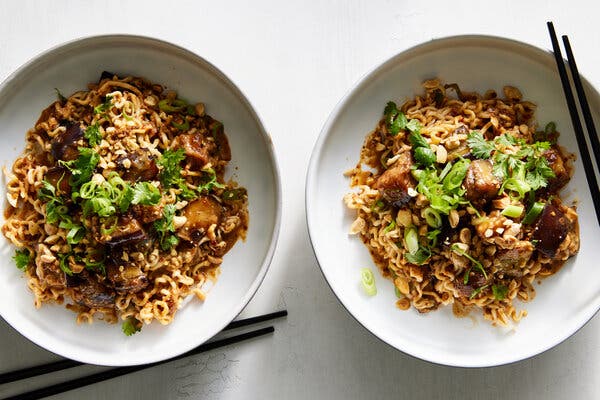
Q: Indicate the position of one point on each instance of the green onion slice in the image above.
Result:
(533, 212)
(432, 217)
(411, 239)
(513, 211)
(368, 281)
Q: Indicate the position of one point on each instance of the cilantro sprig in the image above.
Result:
(131, 326)
(170, 174)
(522, 169)
(92, 134)
(22, 259)
(165, 228)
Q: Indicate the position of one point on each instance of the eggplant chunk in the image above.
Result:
(551, 229)
(126, 278)
(47, 269)
(200, 214)
(395, 181)
(92, 293)
(64, 145)
(480, 183)
(139, 165)
(561, 174)
(196, 151)
(59, 177)
(511, 261)
(127, 230)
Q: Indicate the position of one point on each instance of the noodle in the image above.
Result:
(118, 204)
(458, 201)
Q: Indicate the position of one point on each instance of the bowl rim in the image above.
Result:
(311, 175)
(85, 42)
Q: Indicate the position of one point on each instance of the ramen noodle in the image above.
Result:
(118, 205)
(457, 198)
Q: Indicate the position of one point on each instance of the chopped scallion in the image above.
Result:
(368, 281)
(432, 217)
(411, 240)
(534, 211)
(512, 211)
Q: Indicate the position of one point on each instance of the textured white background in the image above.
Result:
(295, 60)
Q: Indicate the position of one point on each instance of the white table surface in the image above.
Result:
(295, 60)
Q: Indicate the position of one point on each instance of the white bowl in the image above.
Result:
(70, 67)
(564, 302)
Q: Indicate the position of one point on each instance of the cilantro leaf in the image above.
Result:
(92, 134)
(211, 181)
(131, 326)
(104, 107)
(499, 291)
(480, 147)
(22, 259)
(60, 96)
(164, 227)
(420, 256)
(83, 167)
(64, 263)
(145, 193)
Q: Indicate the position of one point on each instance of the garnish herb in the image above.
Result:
(170, 175)
(444, 191)
(411, 240)
(60, 96)
(477, 291)
(22, 259)
(368, 281)
(390, 226)
(522, 170)
(164, 227)
(534, 211)
(131, 326)
(146, 194)
(83, 167)
(211, 182)
(64, 263)
(104, 107)
(185, 126)
(456, 248)
(499, 291)
(92, 134)
(236, 194)
(513, 211)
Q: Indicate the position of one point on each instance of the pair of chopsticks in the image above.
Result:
(120, 371)
(585, 110)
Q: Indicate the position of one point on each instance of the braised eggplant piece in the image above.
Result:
(561, 174)
(127, 278)
(551, 229)
(480, 183)
(139, 165)
(147, 214)
(92, 293)
(196, 150)
(395, 181)
(511, 261)
(64, 146)
(127, 230)
(59, 177)
(200, 214)
(218, 132)
(47, 268)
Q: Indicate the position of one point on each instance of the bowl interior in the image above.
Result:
(564, 302)
(70, 68)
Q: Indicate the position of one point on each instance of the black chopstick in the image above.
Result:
(120, 371)
(579, 134)
(583, 101)
(60, 365)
